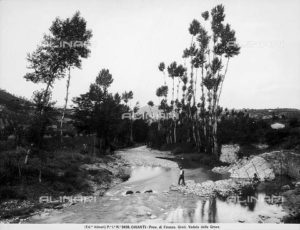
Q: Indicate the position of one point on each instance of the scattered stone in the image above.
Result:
(148, 191)
(153, 217)
(59, 206)
(261, 146)
(209, 188)
(129, 192)
(263, 217)
(137, 192)
(285, 187)
(143, 211)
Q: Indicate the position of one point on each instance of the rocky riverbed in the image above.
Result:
(142, 188)
(222, 188)
(105, 173)
(151, 195)
(271, 166)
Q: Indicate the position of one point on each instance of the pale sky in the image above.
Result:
(131, 37)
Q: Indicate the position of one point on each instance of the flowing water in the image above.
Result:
(151, 201)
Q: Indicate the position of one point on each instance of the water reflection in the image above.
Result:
(248, 198)
(143, 173)
(205, 211)
(246, 207)
(212, 210)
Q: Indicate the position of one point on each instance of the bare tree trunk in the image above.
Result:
(210, 117)
(131, 133)
(40, 174)
(175, 132)
(202, 112)
(94, 143)
(195, 91)
(19, 170)
(199, 141)
(65, 106)
(42, 124)
(222, 81)
(214, 135)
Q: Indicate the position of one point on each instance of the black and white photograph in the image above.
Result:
(149, 114)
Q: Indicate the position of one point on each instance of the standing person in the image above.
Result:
(181, 176)
(255, 179)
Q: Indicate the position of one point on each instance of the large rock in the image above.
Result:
(284, 163)
(285, 187)
(254, 165)
(277, 126)
(229, 153)
(265, 165)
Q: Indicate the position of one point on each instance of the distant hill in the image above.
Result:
(12, 102)
(278, 112)
(14, 108)
(17, 110)
(255, 113)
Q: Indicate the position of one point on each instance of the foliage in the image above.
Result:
(213, 44)
(100, 112)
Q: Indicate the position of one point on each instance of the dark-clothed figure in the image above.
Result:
(181, 177)
(255, 181)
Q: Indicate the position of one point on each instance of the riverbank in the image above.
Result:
(71, 177)
(146, 196)
(278, 172)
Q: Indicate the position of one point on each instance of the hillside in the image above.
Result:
(13, 102)
(255, 113)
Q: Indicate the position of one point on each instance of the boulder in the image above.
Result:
(148, 191)
(285, 187)
(265, 165)
(229, 153)
(256, 165)
(129, 192)
(153, 217)
(284, 163)
(277, 126)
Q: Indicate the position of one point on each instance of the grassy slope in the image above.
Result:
(62, 175)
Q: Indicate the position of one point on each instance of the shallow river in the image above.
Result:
(160, 204)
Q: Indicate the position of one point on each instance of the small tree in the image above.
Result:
(150, 104)
(100, 112)
(126, 97)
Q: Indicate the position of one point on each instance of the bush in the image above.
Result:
(124, 173)
(10, 193)
(183, 148)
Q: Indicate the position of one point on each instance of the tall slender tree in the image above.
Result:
(213, 44)
(71, 39)
(126, 97)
